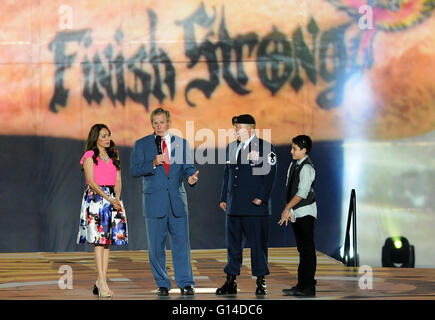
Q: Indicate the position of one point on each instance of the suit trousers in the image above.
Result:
(157, 233)
(255, 229)
(303, 229)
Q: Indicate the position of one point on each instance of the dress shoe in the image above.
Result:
(162, 292)
(229, 287)
(261, 287)
(290, 292)
(187, 291)
(307, 292)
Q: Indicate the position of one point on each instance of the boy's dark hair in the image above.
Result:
(303, 141)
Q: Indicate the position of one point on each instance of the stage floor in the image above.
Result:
(42, 275)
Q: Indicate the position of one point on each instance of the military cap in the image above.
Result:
(244, 119)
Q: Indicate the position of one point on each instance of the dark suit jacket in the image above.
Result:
(162, 192)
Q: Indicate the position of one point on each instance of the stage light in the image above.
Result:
(398, 244)
(397, 252)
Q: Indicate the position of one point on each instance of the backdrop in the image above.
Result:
(355, 75)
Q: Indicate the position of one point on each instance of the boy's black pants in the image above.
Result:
(303, 229)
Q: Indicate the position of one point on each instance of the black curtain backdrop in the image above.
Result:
(42, 186)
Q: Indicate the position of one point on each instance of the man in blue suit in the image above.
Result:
(164, 160)
(245, 197)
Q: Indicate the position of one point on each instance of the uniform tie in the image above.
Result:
(239, 148)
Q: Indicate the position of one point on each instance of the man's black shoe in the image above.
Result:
(187, 291)
(261, 286)
(290, 292)
(307, 292)
(229, 287)
(162, 292)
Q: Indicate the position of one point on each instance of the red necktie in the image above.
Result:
(166, 156)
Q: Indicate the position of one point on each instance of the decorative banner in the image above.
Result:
(328, 68)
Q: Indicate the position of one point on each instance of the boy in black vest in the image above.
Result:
(301, 210)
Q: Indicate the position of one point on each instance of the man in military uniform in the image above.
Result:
(245, 197)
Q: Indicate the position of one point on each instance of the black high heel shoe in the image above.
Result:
(95, 290)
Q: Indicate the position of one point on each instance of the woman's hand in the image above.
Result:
(115, 203)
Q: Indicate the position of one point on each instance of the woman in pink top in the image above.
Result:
(102, 217)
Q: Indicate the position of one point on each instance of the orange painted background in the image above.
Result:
(389, 70)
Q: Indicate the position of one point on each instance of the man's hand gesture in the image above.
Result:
(193, 178)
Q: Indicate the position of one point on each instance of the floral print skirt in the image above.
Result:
(100, 223)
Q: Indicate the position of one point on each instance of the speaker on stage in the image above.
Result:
(398, 253)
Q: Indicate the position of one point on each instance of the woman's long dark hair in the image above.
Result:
(91, 144)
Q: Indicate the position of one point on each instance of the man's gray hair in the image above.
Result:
(160, 110)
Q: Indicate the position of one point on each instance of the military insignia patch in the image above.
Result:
(271, 158)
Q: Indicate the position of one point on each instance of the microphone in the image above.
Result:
(159, 144)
